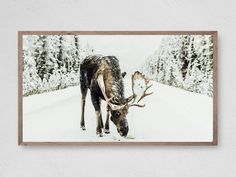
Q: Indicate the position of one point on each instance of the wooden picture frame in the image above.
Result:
(20, 95)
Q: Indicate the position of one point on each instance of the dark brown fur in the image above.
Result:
(108, 67)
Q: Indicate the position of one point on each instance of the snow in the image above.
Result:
(171, 114)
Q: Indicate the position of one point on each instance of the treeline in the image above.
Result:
(184, 61)
(50, 62)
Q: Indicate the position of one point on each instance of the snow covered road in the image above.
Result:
(171, 114)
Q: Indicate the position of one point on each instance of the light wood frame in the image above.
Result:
(215, 87)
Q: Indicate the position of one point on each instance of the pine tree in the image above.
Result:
(31, 80)
(41, 54)
(77, 54)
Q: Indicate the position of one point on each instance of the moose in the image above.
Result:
(102, 75)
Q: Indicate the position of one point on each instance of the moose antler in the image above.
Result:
(139, 88)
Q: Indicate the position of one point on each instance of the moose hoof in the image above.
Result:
(99, 134)
(83, 128)
(107, 131)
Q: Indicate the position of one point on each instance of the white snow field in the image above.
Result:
(170, 115)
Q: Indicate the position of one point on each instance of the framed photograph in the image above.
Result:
(117, 87)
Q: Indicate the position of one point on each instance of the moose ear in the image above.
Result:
(123, 74)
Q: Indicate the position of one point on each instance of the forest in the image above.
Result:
(51, 62)
(183, 61)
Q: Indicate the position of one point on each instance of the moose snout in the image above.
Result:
(123, 128)
(123, 131)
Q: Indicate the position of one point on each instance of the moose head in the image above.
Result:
(119, 109)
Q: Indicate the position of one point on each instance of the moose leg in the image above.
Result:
(101, 121)
(107, 130)
(84, 93)
(96, 104)
(99, 127)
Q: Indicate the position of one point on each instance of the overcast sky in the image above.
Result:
(131, 50)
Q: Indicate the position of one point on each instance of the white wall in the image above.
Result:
(122, 161)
